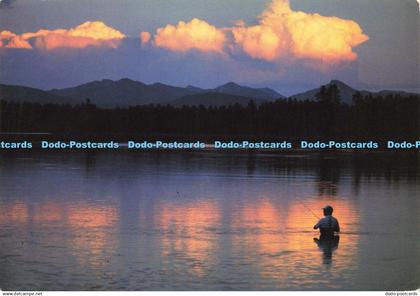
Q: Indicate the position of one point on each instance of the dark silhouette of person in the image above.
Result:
(328, 240)
(328, 225)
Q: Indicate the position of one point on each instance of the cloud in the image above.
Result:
(282, 32)
(87, 34)
(260, 42)
(281, 35)
(10, 40)
(194, 35)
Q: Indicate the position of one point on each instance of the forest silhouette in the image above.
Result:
(370, 117)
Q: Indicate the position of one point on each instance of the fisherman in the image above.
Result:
(328, 225)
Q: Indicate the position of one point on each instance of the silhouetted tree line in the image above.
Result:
(368, 117)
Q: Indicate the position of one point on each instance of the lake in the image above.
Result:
(208, 221)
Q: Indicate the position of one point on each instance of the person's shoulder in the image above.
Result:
(323, 219)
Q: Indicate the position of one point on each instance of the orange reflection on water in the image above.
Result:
(262, 223)
(91, 226)
(84, 215)
(322, 257)
(188, 233)
(301, 218)
(259, 236)
(279, 235)
(15, 213)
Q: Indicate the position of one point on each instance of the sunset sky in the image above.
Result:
(289, 46)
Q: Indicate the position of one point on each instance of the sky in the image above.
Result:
(287, 45)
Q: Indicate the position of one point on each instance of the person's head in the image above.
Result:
(328, 210)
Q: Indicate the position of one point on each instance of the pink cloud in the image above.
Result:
(194, 35)
(84, 35)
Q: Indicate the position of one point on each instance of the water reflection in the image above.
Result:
(328, 176)
(237, 222)
(347, 212)
(15, 212)
(327, 246)
(188, 234)
(47, 212)
(90, 228)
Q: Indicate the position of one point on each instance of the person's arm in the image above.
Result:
(337, 227)
(316, 226)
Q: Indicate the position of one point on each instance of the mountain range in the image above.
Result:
(127, 92)
(346, 92)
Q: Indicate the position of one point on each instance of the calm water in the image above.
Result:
(207, 221)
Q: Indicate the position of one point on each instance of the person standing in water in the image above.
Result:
(328, 225)
(328, 240)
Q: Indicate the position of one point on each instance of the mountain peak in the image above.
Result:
(346, 92)
(233, 88)
(159, 84)
(98, 82)
(194, 88)
(231, 84)
(126, 80)
(339, 83)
